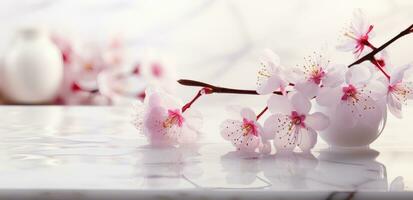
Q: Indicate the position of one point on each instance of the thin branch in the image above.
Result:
(217, 89)
(262, 112)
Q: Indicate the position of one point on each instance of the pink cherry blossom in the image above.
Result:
(355, 100)
(357, 37)
(271, 74)
(291, 125)
(317, 72)
(399, 90)
(122, 86)
(158, 70)
(161, 120)
(244, 133)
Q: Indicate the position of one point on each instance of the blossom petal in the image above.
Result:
(267, 86)
(232, 130)
(279, 104)
(307, 138)
(334, 76)
(286, 142)
(158, 97)
(272, 124)
(250, 143)
(394, 105)
(370, 111)
(398, 73)
(247, 113)
(186, 135)
(269, 58)
(317, 121)
(346, 45)
(360, 23)
(359, 74)
(364, 110)
(376, 89)
(265, 147)
(176, 134)
(279, 126)
(154, 129)
(329, 96)
(300, 103)
(152, 98)
(408, 86)
(193, 119)
(268, 79)
(138, 116)
(307, 88)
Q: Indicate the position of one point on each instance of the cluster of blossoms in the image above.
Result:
(352, 94)
(106, 74)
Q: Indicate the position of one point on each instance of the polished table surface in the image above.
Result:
(52, 152)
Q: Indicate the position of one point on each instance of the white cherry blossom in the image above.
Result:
(271, 75)
(317, 72)
(161, 120)
(399, 90)
(357, 36)
(291, 125)
(244, 133)
(355, 100)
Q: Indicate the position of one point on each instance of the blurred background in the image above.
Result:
(106, 52)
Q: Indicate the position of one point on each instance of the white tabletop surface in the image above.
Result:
(51, 152)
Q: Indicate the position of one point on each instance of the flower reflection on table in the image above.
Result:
(328, 171)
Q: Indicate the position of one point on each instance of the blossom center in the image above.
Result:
(349, 92)
(88, 66)
(399, 91)
(157, 70)
(174, 118)
(249, 127)
(391, 88)
(362, 41)
(297, 119)
(317, 75)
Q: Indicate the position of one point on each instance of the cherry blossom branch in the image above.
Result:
(370, 56)
(201, 92)
(217, 89)
(262, 112)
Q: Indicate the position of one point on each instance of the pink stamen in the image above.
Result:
(391, 88)
(349, 91)
(297, 119)
(176, 116)
(250, 127)
(317, 76)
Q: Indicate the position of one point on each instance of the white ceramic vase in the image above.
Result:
(340, 136)
(32, 71)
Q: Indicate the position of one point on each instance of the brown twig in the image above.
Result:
(217, 89)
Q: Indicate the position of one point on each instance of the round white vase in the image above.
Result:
(32, 71)
(340, 136)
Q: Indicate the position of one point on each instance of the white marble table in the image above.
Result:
(94, 153)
